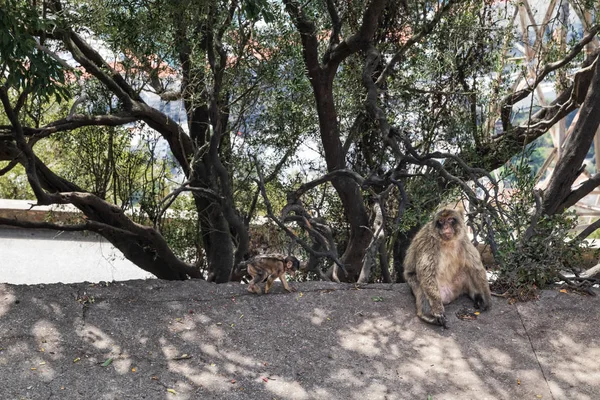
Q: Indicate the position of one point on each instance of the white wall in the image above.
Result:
(32, 256)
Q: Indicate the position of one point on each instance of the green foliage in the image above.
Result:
(180, 229)
(529, 261)
(529, 265)
(14, 185)
(445, 91)
(24, 66)
(256, 9)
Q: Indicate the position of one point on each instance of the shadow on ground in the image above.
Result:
(191, 340)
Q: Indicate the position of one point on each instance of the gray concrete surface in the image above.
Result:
(31, 256)
(195, 340)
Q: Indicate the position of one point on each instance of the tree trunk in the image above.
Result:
(569, 165)
(216, 240)
(400, 246)
(321, 78)
(348, 190)
(139, 250)
(370, 258)
(141, 245)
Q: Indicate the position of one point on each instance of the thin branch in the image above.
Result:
(513, 98)
(424, 31)
(539, 123)
(591, 228)
(107, 79)
(535, 218)
(168, 200)
(21, 100)
(52, 54)
(24, 147)
(270, 214)
(308, 36)
(88, 225)
(295, 195)
(79, 120)
(334, 37)
(361, 39)
(583, 190)
(9, 167)
(179, 142)
(429, 160)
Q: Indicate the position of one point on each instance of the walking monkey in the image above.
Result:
(271, 267)
(441, 264)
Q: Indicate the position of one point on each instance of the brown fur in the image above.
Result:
(271, 267)
(441, 264)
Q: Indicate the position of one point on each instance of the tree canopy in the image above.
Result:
(345, 123)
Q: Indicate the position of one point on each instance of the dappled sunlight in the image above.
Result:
(577, 366)
(318, 316)
(50, 308)
(97, 338)
(500, 357)
(111, 349)
(35, 366)
(49, 340)
(363, 343)
(42, 368)
(288, 389)
(181, 325)
(212, 368)
(182, 390)
(207, 376)
(342, 375)
(375, 390)
(8, 299)
(210, 349)
(373, 337)
(210, 380)
(238, 360)
(402, 350)
(322, 345)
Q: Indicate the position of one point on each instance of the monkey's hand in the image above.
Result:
(480, 302)
(291, 289)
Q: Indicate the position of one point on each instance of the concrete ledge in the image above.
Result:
(192, 340)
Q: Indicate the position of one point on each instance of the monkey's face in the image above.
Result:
(292, 265)
(447, 226)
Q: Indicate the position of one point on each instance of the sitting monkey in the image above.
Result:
(270, 267)
(441, 264)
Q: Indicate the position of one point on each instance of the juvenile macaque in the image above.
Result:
(271, 267)
(441, 264)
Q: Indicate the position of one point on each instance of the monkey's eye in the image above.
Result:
(452, 221)
(438, 223)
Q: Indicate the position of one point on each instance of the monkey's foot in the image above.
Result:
(441, 320)
(291, 289)
(435, 319)
(254, 289)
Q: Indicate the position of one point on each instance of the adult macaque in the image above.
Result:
(442, 264)
(271, 267)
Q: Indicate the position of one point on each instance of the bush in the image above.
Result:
(533, 251)
(525, 266)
